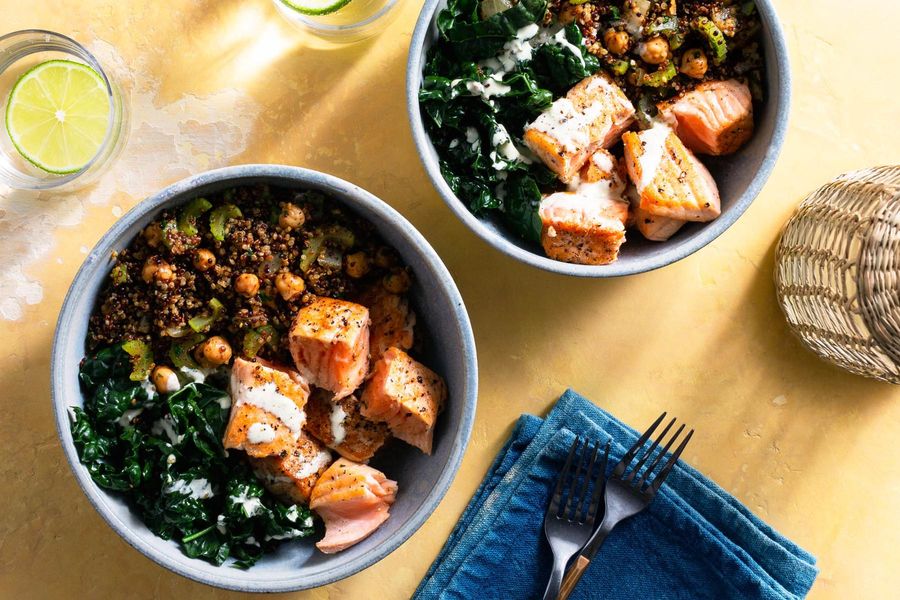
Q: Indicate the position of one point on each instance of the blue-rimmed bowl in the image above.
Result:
(740, 177)
(423, 480)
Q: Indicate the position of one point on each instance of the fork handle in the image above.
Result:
(559, 567)
(572, 577)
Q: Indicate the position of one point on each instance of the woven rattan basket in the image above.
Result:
(837, 272)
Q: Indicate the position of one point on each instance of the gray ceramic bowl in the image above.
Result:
(423, 479)
(740, 177)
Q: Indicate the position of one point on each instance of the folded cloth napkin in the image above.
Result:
(695, 540)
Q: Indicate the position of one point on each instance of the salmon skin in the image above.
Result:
(671, 182)
(586, 225)
(407, 396)
(591, 116)
(292, 476)
(340, 425)
(329, 340)
(267, 410)
(716, 117)
(353, 500)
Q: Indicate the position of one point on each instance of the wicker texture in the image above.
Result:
(837, 272)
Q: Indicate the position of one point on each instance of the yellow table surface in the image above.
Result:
(809, 448)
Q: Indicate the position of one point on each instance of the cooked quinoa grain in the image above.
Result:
(185, 291)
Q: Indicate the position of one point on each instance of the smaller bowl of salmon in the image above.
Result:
(264, 378)
(598, 139)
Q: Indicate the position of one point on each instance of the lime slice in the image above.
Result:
(58, 114)
(316, 7)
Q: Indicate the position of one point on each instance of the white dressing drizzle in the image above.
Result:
(260, 433)
(338, 431)
(199, 489)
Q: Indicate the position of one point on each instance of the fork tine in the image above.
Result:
(649, 471)
(649, 452)
(661, 478)
(620, 468)
(557, 493)
(598, 484)
(568, 511)
(583, 496)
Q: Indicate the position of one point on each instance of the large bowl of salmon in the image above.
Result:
(264, 378)
(598, 138)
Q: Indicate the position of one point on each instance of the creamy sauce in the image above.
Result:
(338, 414)
(472, 137)
(166, 426)
(225, 402)
(260, 433)
(560, 40)
(128, 415)
(653, 142)
(199, 489)
(568, 126)
(172, 383)
(251, 506)
(149, 388)
(311, 467)
(505, 149)
(454, 143)
(268, 398)
(197, 375)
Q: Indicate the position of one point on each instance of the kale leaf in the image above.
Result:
(166, 457)
(475, 107)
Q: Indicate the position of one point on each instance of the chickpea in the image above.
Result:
(289, 285)
(292, 216)
(356, 264)
(385, 257)
(165, 380)
(157, 269)
(203, 259)
(247, 285)
(616, 42)
(397, 282)
(693, 63)
(153, 234)
(213, 352)
(655, 51)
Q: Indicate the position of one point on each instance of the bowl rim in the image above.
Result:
(780, 92)
(231, 578)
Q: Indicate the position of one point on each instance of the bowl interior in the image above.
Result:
(422, 479)
(739, 177)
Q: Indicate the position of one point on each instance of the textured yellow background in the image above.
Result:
(810, 449)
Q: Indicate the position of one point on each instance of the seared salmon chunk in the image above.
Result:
(656, 229)
(292, 476)
(670, 181)
(592, 115)
(329, 340)
(353, 500)
(586, 225)
(393, 321)
(267, 402)
(339, 425)
(716, 117)
(407, 396)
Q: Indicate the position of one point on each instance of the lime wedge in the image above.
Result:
(58, 114)
(316, 7)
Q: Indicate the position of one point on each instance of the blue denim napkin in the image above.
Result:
(695, 540)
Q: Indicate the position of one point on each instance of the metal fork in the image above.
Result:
(627, 495)
(569, 525)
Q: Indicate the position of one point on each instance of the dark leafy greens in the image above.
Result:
(165, 455)
(479, 135)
